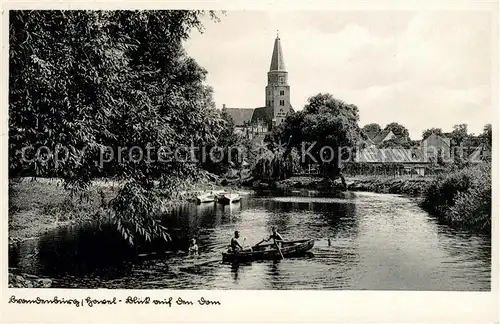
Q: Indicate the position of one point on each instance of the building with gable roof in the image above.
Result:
(377, 138)
(481, 154)
(435, 145)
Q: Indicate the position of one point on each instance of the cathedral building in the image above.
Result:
(253, 122)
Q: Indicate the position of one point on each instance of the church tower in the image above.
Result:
(277, 89)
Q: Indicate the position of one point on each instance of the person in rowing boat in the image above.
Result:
(276, 237)
(235, 244)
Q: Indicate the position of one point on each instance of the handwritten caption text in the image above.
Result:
(130, 300)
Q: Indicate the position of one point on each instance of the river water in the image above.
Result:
(363, 241)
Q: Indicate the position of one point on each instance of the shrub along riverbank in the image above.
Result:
(462, 198)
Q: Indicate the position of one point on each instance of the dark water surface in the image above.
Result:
(378, 242)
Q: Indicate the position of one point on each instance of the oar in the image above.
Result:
(277, 245)
(260, 242)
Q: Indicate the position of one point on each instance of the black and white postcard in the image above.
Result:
(250, 162)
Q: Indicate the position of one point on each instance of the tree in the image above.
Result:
(398, 130)
(486, 135)
(459, 134)
(233, 147)
(372, 128)
(86, 83)
(428, 132)
(414, 143)
(324, 132)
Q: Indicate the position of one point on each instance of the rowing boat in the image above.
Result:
(269, 251)
(205, 198)
(227, 198)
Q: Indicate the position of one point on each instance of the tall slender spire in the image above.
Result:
(277, 61)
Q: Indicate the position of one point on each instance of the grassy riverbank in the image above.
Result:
(36, 207)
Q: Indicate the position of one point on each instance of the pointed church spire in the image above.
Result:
(277, 62)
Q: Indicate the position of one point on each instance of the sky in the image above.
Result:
(421, 69)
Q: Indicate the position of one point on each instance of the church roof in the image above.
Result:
(263, 113)
(240, 116)
(277, 61)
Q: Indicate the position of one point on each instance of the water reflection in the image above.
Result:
(104, 252)
(363, 241)
(234, 271)
(274, 275)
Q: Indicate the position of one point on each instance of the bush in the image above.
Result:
(462, 198)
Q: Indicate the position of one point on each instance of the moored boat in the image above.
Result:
(227, 198)
(269, 251)
(205, 198)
